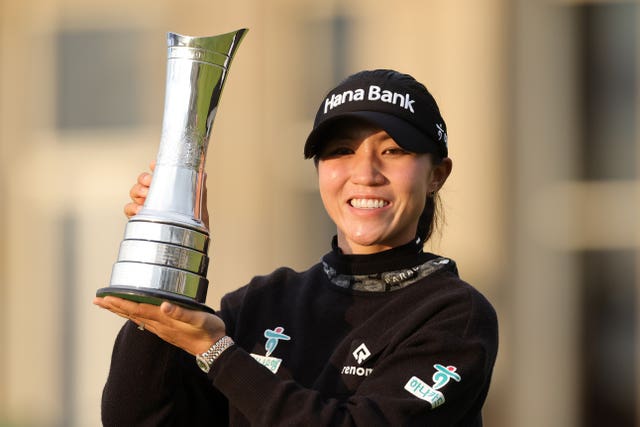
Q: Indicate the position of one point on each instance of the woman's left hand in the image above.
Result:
(191, 330)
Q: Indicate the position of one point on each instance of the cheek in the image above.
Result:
(328, 184)
(417, 184)
(424, 177)
(328, 177)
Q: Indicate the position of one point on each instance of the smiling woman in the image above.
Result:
(373, 189)
(378, 333)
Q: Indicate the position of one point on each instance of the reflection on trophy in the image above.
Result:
(164, 252)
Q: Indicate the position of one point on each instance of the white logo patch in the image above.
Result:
(361, 353)
(271, 363)
(423, 391)
(440, 378)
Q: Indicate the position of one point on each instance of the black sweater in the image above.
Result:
(389, 339)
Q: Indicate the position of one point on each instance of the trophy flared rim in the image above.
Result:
(225, 44)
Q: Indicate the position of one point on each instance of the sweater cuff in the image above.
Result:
(243, 380)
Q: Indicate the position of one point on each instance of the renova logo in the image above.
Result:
(360, 354)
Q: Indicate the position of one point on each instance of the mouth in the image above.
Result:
(368, 203)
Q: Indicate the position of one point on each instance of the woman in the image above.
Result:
(378, 333)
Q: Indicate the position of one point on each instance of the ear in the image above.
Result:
(439, 174)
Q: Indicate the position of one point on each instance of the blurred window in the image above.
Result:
(330, 41)
(96, 79)
(609, 90)
(608, 71)
(608, 353)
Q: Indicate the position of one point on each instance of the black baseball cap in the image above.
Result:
(395, 102)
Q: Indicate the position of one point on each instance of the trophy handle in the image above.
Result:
(164, 251)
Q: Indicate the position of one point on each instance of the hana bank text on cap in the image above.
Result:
(395, 102)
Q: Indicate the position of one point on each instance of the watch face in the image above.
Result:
(202, 363)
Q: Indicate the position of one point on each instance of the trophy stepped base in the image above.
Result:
(152, 296)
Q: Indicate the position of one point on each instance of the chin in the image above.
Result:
(368, 245)
(364, 240)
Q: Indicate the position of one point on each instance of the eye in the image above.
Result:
(336, 152)
(395, 151)
(336, 149)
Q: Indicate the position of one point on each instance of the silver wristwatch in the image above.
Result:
(206, 359)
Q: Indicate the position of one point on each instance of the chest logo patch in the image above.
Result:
(431, 394)
(360, 354)
(273, 337)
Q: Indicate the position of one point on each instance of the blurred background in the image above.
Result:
(541, 212)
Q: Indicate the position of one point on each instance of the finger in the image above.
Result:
(140, 189)
(137, 311)
(131, 209)
(145, 324)
(182, 314)
(142, 323)
(144, 179)
(138, 193)
(103, 302)
(100, 302)
(131, 308)
(112, 304)
(152, 166)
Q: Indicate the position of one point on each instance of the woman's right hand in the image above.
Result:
(138, 193)
(140, 190)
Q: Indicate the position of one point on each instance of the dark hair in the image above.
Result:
(431, 214)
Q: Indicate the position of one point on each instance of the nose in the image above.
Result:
(366, 169)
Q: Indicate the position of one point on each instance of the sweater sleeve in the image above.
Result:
(152, 383)
(434, 377)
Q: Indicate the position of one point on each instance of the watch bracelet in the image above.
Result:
(217, 349)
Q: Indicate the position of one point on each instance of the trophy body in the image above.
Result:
(163, 255)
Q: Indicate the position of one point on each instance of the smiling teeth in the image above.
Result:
(368, 203)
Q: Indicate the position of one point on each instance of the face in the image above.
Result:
(372, 189)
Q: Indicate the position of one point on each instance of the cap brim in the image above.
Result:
(403, 133)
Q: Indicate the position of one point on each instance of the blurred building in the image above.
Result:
(541, 102)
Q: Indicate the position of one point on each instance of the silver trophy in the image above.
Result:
(164, 252)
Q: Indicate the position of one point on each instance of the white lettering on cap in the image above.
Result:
(374, 93)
